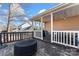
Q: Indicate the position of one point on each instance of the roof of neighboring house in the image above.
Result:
(59, 6)
(27, 28)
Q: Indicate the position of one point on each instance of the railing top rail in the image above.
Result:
(13, 32)
(66, 31)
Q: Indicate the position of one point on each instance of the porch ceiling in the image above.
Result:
(45, 19)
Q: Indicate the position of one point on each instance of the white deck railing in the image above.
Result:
(38, 34)
(67, 38)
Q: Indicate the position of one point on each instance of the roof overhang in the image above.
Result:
(46, 13)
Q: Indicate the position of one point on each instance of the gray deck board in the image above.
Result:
(44, 49)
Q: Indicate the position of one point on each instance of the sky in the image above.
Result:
(30, 10)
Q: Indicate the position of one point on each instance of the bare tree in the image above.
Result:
(9, 13)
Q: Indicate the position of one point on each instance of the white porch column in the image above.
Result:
(32, 25)
(51, 27)
(42, 28)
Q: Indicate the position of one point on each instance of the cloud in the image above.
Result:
(41, 11)
(5, 10)
(25, 18)
(0, 5)
(21, 11)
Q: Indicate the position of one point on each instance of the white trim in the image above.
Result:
(66, 7)
(66, 44)
(66, 31)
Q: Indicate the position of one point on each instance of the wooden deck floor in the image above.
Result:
(44, 49)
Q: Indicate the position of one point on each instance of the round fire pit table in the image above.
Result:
(25, 48)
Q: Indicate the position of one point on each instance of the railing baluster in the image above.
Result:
(7, 37)
(55, 36)
(58, 36)
(13, 36)
(0, 39)
(21, 35)
(66, 38)
(27, 35)
(70, 38)
(18, 36)
(10, 37)
(4, 37)
(61, 37)
(24, 35)
(74, 39)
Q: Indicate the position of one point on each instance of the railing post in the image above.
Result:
(0, 39)
(7, 38)
(32, 34)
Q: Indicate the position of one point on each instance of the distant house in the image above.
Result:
(27, 26)
(2, 27)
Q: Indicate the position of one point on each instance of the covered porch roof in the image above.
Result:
(46, 14)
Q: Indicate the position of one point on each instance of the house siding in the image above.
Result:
(48, 26)
(71, 23)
